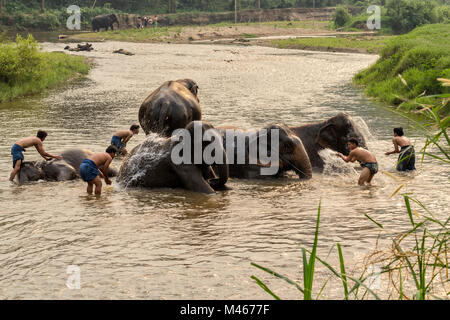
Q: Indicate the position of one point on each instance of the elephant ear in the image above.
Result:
(326, 137)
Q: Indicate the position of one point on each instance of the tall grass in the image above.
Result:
(24, 69)
(419, 57)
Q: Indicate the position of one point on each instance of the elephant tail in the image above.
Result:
(161, 117)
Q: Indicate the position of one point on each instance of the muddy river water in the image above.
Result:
(174, 244)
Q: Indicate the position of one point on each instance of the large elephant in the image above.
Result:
(57, 170)
(332, 133)
(172, 106)
(151, 164)
(291, 153)
(104, 21)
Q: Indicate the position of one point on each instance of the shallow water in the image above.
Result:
(174, 244)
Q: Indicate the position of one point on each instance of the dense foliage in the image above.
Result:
(25, 69)
(409, 66)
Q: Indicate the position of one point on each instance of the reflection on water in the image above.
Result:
(134, 243)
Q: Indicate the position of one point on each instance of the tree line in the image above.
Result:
(164, 6)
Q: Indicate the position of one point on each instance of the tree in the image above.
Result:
(172, 6)
(43, 5)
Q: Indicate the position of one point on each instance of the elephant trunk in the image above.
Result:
(299, 162)
(222, 171)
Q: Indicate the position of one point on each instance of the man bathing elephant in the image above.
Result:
(104, 21)
(332, 133)
(172, 106)
(282, 150)
(19, 147)
(178, 162)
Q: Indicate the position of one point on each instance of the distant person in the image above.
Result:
(364, 157)
(145, 22)
(139, 23)
(19, 147)
(150, 21)
(121, 137)
(407, 158)
(155, 22)
(90, 172)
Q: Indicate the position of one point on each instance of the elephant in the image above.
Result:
(58, 170)
(151, 164)
(172, 106)
(53, 170)
(332, 133)
(104, 21)
(291, 153)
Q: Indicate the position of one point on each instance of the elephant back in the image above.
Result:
(172, 106)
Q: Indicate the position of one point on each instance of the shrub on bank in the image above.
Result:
(24, 69)
(341, 17)
(409, 66)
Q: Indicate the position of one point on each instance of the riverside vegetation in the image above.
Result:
(25, 69)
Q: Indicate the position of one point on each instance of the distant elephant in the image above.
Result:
(150, 165)
(57, 170)
(291, 153)
(172, 106)
(104, 21)
(332, 133)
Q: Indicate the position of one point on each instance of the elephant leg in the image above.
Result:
(192, 178)
(112, 27)
(106, 28)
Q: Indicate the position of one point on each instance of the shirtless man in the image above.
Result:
(19, 147)
(407, 158)
(121, 137)
(90, 172)
(364, 157)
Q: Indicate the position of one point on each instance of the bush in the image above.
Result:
(25, 69)
(420, 57)
(341, 17)
(405, 15)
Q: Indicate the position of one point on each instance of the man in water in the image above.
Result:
(90, 172)
(121, 137)
(19, 147)
(364, 157)
(407, 158)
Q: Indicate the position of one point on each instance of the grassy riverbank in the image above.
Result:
(350, 43)
(208, 32)
(409, 67)
(24, 69)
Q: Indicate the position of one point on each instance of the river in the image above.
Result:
(174, 244)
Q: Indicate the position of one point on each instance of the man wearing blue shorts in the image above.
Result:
(19, 147)
(90, 172)
(121, 137)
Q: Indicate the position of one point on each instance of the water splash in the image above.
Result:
(363, 128)
(335, 166)
(144, 156)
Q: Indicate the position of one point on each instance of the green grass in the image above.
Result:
(371, 45)
(409, 67)
(132, 35)
(26, 70)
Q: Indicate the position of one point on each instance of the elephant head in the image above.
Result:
(216, 173)
(172, 106)
(114, 18)
(291, 152)
(335, 132)
(30, 171)
(53, 170)
(161, 162)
